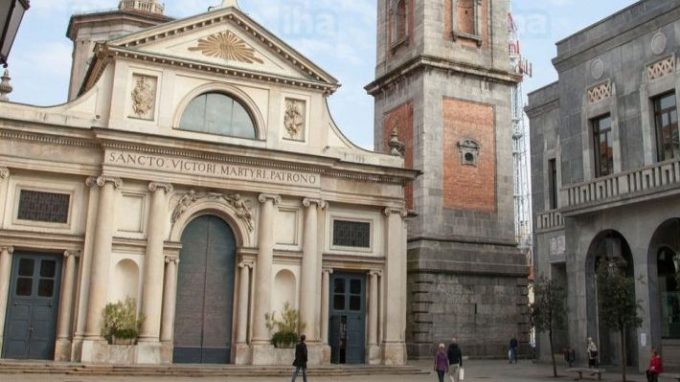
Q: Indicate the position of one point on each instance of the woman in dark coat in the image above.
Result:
(300, 359)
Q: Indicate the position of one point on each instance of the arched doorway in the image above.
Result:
(205, 292)
(612, 248)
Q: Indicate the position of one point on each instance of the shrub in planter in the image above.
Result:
(286, 329)
(121, 325)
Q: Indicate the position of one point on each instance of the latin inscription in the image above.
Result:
(212, 169)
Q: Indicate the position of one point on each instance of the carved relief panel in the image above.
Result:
(143, 97)
(294, 119)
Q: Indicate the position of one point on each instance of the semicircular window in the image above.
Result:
(218, 113)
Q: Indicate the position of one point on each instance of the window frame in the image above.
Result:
(553, 200)
(239, 100)
(476, 35)
(657, 115)
(396, 21)
(334, 246)
(596, 132)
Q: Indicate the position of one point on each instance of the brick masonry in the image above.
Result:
(468, 187)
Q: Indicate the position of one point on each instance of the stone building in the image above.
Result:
(443, 83)
(196, 169)
(606, 176)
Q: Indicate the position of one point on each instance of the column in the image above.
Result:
(169, 298)
(311, 266)
(263, 269)
(325, 281)
(154, 261)
(66, 300)
(5, 274)
(395, 299)
(101, 255)
(243, 302)
(373, 309)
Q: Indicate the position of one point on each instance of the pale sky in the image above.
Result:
(338, 35)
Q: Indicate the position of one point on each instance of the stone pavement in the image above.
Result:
(475, 371)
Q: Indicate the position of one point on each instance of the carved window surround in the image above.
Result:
(661, 68)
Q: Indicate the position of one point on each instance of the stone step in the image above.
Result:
(19, 367)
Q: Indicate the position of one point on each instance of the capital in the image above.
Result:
(375, 273)
(263, 198)
(154, 186)
(8, 249)
(246, 264)
(4, 173)
(102, 180)
(172, 259)
(393, 210)
(327, 270)
(71, 253)
(307, 202)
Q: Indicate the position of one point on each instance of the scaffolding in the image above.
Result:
(520, 145)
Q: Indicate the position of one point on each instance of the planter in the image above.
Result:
(122, 341)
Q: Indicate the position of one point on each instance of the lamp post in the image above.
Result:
(11, 14)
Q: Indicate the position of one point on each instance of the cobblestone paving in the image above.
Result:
(475, 371)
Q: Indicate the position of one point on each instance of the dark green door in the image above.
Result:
(30, 327)
(205, 290)
(347, 326)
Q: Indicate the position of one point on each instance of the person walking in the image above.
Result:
(655, 367)
(512, 350)
(441, 362)
(300, 361)
(455, 356)
(592, 353)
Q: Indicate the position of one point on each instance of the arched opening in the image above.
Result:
(205, 292)
(668, 268)
(218, 113)
(610, 247)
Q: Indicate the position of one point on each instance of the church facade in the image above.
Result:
(196, 169)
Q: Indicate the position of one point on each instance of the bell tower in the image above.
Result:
(85, 30)
(444, 83)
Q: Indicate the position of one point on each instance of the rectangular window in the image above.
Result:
(43, 206)
(602, 145)
(351, 234)
(666, 123)
(552, 183)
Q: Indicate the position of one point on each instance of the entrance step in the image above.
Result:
(196, 371)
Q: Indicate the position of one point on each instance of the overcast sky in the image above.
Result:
(339, 35)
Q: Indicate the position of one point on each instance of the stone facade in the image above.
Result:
(106, 187)
(612, 192)
(452, 71)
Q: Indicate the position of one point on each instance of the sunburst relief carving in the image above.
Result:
(227, 46)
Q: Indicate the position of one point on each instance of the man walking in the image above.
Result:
(512, 351)
(300, 361)
(455, 356)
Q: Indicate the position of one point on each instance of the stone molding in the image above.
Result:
(262, 198)
(327, 270)
(320, 203)
(4, 173)
(44, 138)
(172, 259)
(246, 264)
(155, 186)
(600, 92)
(375, 272)
(661, 68)
(235, 201)
(9, 249)
(101, 181)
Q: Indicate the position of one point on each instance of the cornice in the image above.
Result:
(17, 135)
(538, 110)
(429, 62)
(111, 52)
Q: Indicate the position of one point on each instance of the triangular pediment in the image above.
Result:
(225, 37)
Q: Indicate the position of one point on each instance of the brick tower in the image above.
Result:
(443, 83)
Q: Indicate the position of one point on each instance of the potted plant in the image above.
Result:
(286, 329)
(121, 324)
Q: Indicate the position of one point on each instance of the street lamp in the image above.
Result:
(11, 13)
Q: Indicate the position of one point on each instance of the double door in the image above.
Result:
(33, 301)
(347, 326)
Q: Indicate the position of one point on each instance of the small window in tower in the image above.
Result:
(466, 20)
(399, 22)
(469, 152)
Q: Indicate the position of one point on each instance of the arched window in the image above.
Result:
(399, 22)
(218, 113)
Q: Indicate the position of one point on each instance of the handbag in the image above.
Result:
(461, 374)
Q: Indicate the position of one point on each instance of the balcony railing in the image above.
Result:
(141, 5)
(549, 220)
(660, 177)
